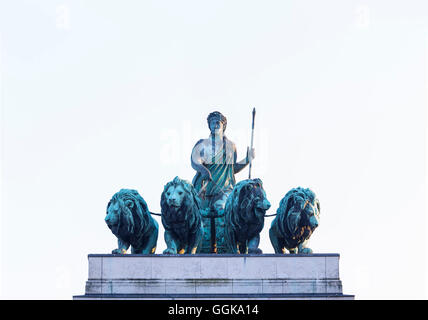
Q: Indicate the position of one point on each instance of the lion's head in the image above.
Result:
(175, 195)
(247, 202)
(179, 201)
(298, 214)
(127, 213)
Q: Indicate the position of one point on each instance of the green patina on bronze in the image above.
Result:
(181, 217)
(215, 160)
(244, 215)
(130, 221)
(214, 214)
(297, 218)
(213, 197)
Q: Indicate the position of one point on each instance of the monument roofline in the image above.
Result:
(209, 255)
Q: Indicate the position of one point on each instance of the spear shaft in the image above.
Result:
(252, 139)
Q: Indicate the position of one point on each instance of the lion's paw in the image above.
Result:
(118, 251)
(306, 251)
(169, 251)
(254, 251)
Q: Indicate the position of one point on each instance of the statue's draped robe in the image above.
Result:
(221, 167)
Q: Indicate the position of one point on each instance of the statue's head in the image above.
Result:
(216, 122)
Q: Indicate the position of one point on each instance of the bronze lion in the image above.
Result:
(181, 217)
(244, 216)
(130, 221)
(297, 218)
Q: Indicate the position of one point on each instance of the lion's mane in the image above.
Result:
(242, 220)
(292, 218)
(134, 217)
(187, 219)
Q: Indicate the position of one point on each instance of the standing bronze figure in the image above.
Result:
(215, 160)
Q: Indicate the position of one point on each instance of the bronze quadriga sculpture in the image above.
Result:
(214, 214)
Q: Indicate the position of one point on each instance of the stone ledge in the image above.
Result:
(115, 267)
(225, 255)
(207, 276)
(214, 297)
(214, 286)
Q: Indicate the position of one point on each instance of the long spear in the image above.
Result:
(252, 139)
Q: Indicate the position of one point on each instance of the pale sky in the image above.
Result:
(102, 95)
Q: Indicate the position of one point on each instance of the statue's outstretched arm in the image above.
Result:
(238, 166)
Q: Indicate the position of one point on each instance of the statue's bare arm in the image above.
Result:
(238, 166)
(197, 160)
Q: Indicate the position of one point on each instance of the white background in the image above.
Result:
(102, 95)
